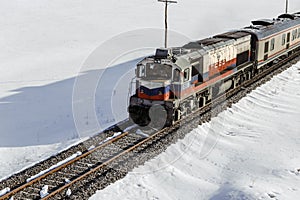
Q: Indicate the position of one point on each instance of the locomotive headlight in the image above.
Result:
(140, 101)
(133, 100)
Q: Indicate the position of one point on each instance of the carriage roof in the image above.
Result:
(264, 28)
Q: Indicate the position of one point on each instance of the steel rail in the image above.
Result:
(103, 165)
(29, 183)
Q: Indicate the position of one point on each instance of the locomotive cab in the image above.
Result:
(162, 81)
(156, 76)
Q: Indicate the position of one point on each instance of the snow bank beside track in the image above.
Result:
(256, 156)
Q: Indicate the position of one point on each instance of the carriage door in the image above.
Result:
(288, 40)
(266, 51)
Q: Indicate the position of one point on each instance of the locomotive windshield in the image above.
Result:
(155, 71)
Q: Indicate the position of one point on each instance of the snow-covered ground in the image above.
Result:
(46, 45)
(256, 154)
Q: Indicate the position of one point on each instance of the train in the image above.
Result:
(177, 81)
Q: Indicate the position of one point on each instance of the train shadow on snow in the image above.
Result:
(43, 115)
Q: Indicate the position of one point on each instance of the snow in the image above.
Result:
(48, 47)
(110, 138)
(130, 128)
(139, 132)
(91, 148)
(44, 191)
(4, 191)
(15, 159)
(72, 157)
(250, 151)
(69, 192)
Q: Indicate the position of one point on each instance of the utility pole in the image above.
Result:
(286, 6)
(167, 2)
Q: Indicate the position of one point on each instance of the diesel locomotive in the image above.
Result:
(177, 81)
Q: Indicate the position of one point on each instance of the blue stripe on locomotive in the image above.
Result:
(155, 91)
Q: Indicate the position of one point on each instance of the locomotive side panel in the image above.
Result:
(220, 59)
(230, 53)
(243, 46)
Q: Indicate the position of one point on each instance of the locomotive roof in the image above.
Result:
(232, 35)
(266, 27)
(192, 51)
(211, 41)
(216, 41)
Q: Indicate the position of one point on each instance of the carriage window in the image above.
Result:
(298, 32)
(294, 34)
(272, 44)
(266, 47)
(283, 39)
(186, 74)
(176, 75)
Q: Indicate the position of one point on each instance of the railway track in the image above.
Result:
(112, 156)
(65, 174)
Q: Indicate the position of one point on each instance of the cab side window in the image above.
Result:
(186, 74)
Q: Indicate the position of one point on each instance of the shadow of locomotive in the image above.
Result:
(44, 115)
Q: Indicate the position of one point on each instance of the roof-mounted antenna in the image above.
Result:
(286, 6)
(167, 2)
